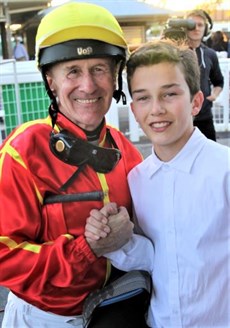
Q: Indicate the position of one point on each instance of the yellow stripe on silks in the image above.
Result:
(24, 126)
(101, 144)
(102, 179)
(34, 248)
(104, 187)
(16, 156)
(8, 149)
(68, 236)
(106, 200)
(21, 129)
(2, 157)
(11, 244)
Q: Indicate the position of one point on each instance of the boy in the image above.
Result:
(180, 193)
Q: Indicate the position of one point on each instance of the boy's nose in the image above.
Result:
(156, 107)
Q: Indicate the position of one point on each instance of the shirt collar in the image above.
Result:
(184, 160)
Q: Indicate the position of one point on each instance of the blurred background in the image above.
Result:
(140, 20)
(22, 93)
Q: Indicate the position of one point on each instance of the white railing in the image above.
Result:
(119, 115)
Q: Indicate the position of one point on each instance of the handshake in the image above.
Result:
(108, 229)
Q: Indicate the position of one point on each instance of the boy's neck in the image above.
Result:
(167, 153)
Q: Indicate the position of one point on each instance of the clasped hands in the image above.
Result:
(108, 229)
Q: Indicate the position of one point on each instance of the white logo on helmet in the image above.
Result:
(84, 51)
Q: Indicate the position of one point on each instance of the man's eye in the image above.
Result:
(73, 73)
(99, 70)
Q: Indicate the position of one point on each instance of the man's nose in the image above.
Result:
(87, 82)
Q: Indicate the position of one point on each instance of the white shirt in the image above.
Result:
(183, 206)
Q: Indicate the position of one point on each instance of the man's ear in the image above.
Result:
(50, 82)
(197, 102)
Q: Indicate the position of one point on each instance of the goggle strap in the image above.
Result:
(72, 178)
(110, 139)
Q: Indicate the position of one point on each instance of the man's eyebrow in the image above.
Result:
(67, 67)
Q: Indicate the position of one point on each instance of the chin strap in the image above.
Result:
(53, 112)
(118, 94)
(53, 107)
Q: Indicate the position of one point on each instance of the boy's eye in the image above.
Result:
(141, 98)
(169, 94)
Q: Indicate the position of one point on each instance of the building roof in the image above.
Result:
(126, 10)
(26, 11)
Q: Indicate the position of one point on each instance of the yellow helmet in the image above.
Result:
(78, 30)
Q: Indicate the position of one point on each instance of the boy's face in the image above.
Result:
(162, 106)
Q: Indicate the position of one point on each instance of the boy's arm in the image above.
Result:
(136, 254)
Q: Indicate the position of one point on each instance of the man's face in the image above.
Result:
(198, 33)
(84, 89)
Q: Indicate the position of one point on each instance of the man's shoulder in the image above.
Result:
(31, 130)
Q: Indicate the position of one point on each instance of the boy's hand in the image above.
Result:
(108, 229)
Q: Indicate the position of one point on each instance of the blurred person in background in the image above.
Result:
(220, 43)
(19, 52)
(211, 78)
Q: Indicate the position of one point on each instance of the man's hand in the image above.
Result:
(97, 223)
(108, 229)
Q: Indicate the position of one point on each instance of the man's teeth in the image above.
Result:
(86, 101)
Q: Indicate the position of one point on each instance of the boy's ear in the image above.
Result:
(197, 103)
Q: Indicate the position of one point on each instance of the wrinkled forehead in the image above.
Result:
(83, 64)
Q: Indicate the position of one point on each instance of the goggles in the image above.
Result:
(78, 152)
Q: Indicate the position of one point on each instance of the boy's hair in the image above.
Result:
(166, 51)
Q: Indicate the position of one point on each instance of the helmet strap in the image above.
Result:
(53, 107)
(119, 93)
